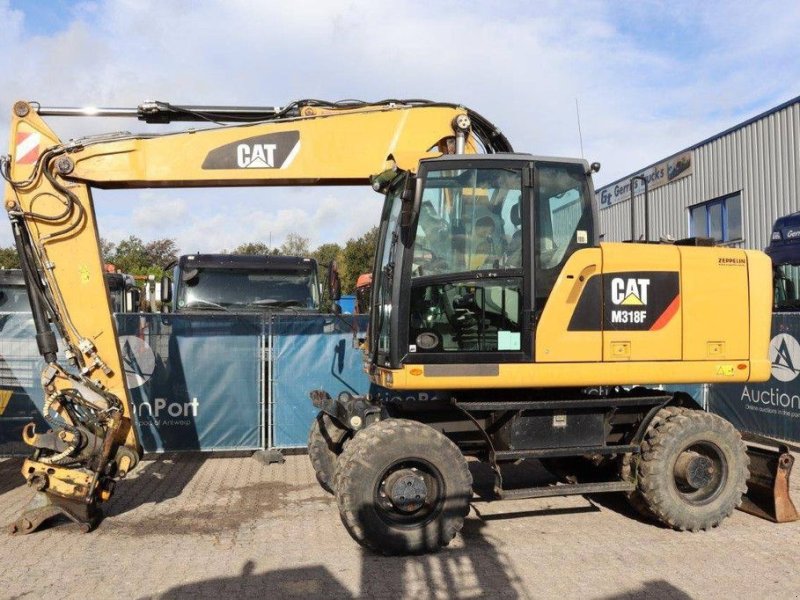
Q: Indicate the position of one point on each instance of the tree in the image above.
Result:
(9, 258)
(252, 249)
(130, 255)
(357, 257)
(295, 245)
(136, 257)
(107, 250)
(325, 255)
(161, 252)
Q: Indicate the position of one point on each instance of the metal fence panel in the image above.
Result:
(311, 352)
(21, 394)
(194, 380)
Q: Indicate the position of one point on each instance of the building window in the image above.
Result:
(720, 219)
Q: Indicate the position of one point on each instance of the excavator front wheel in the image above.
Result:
(326, 440)
(402, 488)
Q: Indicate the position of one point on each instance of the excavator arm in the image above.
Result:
(92, 441)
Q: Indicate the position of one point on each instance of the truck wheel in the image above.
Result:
(403, 488)
(693, 470)
(325, 441)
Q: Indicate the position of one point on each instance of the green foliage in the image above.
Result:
(253, 249)
(357, 257)
(9, 258)
(325, 255)
(136, 257)
(295, 245)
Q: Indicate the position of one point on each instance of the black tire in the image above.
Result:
(325, 441)
(716, 478)
(382, 459)
(629, 469)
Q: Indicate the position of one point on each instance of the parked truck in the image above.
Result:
(235, 282)
(784, 250)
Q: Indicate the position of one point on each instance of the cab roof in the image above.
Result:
(242, 261)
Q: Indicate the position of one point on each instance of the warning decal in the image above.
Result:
(27, 147)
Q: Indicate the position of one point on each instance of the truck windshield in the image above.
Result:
(248, 289)
(13, 298)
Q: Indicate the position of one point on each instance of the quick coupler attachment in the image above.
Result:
(61, 491)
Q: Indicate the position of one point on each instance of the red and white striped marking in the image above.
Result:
(27, 147)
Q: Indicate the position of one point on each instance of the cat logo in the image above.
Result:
(629, 292)
(5, 398)
(270, 151)
(257, 156)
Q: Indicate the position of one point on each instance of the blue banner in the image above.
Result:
(308, 353)
(771, 408)
(201, 382)
(195, 380)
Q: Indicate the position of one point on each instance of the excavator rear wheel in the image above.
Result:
(693, 469)
(326, 440)
(402, 488)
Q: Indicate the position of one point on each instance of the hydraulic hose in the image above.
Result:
(45, 338)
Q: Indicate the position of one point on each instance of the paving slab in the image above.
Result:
(192, 526)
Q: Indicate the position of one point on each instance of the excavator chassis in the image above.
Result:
(768, 494)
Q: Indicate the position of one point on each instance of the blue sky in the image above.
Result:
(651, 78)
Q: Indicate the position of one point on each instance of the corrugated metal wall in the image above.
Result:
(759, 159)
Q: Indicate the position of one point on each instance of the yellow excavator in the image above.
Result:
(506, 329)
(92, 442)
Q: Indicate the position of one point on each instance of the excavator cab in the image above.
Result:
(469, 252)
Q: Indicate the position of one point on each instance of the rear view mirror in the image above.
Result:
(188, 275)
(166, 288)
(334, 284)
(132, 299)
(408, 207)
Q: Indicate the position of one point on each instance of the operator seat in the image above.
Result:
(514, 250)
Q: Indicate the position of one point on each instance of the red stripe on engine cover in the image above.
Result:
(667, 315)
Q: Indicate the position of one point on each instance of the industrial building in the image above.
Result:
(731, 186)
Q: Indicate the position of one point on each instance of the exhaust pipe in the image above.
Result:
(767, 494)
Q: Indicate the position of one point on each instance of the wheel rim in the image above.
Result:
(700, 473)
(409, 493)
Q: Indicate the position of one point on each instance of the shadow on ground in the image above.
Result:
(477, 566)
(155, 481)
(618, 503)
(207, 511)
(478, 570)
(10, 475)
(652, 589)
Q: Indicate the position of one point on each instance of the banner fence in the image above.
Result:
(216, 382)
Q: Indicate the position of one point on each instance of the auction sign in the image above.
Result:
(771, 408)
